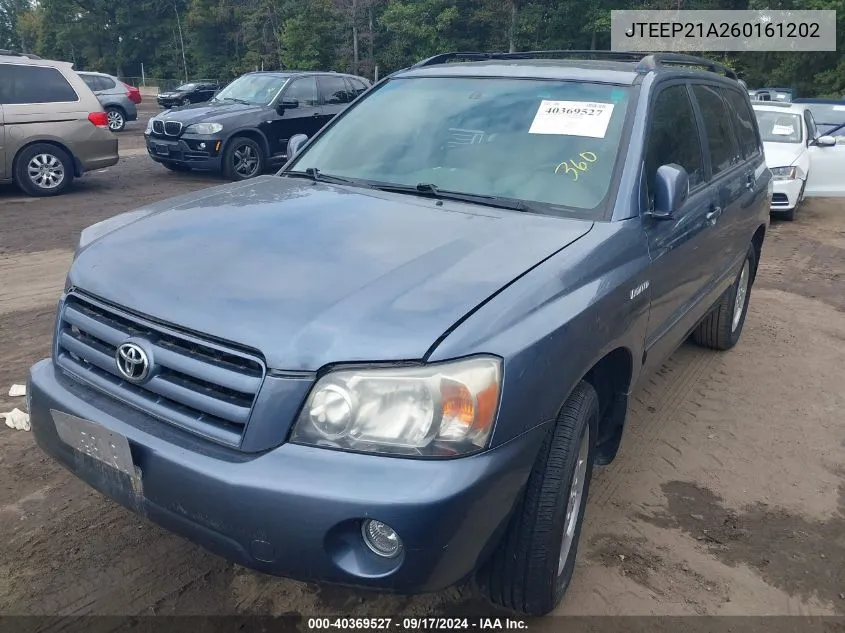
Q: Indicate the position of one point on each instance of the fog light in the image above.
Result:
(381, 538)
(202, 145)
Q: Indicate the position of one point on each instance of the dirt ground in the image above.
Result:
(728, 496)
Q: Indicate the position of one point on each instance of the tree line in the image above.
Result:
(220, 39)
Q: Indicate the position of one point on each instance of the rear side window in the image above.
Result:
(21, 84)
(724, 150)
(673, 136)
(358, 86)
(106, 83)
(334, 90)
(90, 81)
(743, 122)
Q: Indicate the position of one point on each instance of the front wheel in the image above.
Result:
(117, 120)
(722, 327)
(243, 159)
(531, 570)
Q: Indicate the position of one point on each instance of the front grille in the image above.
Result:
(158, 127)
(196, 385)
(779, 198)
(172, 128)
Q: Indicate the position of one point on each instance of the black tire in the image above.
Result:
(117, 119)
(177, 167)
(718, 330)
(49, 156)
(524, 574)
(236, 148)
(789, 216)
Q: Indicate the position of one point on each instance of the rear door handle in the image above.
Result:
(714, 214)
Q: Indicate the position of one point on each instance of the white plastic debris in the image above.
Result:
(17, 390)
(17, 419)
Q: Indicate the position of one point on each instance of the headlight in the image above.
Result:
(784, 173)
(442, 410)
(149, 129)
(203, 128)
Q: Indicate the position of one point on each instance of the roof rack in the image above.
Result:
(645, 61)
(8, 53)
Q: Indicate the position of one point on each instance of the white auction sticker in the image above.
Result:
(783, 130)
(838, 108)
(573, 118)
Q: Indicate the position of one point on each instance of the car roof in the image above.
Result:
(600, 66)
(26, 60)
(770, 106)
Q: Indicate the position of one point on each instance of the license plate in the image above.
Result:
(162, 150)
(96, 441)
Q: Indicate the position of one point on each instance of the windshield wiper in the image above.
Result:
(317, 176)
(430, 190)
(236, 100)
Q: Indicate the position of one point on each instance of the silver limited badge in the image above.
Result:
(132, 362)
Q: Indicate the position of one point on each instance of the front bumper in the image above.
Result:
(786, 194)
(296, 511)
(186, 151)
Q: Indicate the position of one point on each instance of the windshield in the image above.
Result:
(779, 127)
(184, 87)
(550, 142)
(260, 89)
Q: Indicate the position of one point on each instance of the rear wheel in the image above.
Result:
(117, 120)
(722, 327)
(243, 159)
(43, 170)
(531, 569)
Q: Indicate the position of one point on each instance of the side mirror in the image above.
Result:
(671, 188)
(287, 104)
(295, 143)
(825, 141)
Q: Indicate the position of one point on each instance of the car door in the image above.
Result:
(3, 174)
(730, 181)
(206, 92)
(679, 247)
(335, 95)
(826, 164)
(303, 118)
(740, 221)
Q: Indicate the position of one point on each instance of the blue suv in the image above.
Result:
(396, 362)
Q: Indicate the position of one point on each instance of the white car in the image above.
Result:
(790, 142)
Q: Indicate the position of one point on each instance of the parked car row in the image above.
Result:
(244, 128)
(801, 157)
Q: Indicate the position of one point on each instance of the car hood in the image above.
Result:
(207, 112)
(310, 274)
(782, 154)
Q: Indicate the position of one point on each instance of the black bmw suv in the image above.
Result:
(245, 128)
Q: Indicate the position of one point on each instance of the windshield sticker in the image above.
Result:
(574, 168)
(572, 118)
(783, 130)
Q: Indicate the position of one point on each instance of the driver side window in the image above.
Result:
(673, 137)
(304, 90)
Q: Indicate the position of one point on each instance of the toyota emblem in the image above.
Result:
(132, 362)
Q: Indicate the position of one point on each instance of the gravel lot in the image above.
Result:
(728, 496)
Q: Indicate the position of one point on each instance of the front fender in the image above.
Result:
(555, 323)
